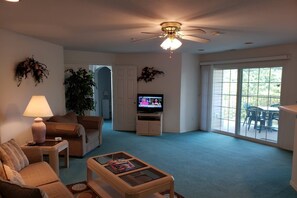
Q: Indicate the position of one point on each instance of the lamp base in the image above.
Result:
(38, 130)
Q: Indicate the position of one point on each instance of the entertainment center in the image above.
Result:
(149, 123)
(150, 114)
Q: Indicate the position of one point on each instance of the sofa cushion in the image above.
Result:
(13, 175)
(9, 190)
(56, 190)
(68, 118)
(38, 174)
(12, 155)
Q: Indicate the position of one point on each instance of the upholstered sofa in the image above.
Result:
(84, 133)
(24, 174)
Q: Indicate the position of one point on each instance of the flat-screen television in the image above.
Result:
(150, 103)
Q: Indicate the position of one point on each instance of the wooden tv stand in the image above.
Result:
(149, 123)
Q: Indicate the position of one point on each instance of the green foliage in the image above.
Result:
(148, 74)
(79, 90)
(30, 66)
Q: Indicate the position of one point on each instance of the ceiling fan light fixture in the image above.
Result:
(171, 43)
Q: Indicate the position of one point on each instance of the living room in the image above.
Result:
(180, 83)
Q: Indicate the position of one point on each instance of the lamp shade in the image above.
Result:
(171, 43)
(38, 107)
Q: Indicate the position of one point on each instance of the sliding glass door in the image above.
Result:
(224, 99)
(245, 102)
(260, 98)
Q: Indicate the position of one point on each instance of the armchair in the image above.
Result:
(84, 133)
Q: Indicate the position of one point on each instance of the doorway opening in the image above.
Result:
(103, 91)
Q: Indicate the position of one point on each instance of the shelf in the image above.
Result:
(149, 118)
(149, 124)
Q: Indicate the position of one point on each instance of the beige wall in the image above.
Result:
(169, 84)
(190, 87)
(15, 48)
(289, 81)
(77, 59)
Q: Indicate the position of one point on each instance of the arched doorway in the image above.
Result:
(103, 92)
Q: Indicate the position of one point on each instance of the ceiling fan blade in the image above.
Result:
(155, 33)
(144, 39)
(198, 30)
(160, 35)
(195, 38)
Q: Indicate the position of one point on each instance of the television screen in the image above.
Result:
(150, 102)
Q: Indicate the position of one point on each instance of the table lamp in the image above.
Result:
(38, 107)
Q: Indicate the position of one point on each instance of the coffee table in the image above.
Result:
(143, 180)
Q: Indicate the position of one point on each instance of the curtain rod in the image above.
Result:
(247, 60)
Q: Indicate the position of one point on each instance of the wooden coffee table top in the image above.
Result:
(142, 179)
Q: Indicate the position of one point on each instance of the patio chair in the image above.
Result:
(257, 115)
(275, 116)
(246, 106)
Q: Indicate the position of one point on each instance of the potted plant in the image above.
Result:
(79, 90)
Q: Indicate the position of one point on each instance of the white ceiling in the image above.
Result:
(109, 25)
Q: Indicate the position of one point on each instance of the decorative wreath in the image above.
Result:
(148, 74)
(30, 65)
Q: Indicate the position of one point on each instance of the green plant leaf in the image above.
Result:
(79, 90)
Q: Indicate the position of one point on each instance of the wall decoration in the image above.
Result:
(148, 74)
(30, 66)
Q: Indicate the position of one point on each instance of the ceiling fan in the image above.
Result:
(171, 31)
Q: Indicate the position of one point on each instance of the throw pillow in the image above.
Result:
(13, 156)
(2, 171)
(9, 190)
(5, 158)
(13, 175)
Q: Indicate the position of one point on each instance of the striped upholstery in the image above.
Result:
(5, 158)
(2, 171)
(12, 155)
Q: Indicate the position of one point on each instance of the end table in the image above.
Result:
(53, 148)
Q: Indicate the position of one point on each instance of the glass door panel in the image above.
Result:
(224, 100)
(260, 97)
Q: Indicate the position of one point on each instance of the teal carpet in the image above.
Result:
(203, 164)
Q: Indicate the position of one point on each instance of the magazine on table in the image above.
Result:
(121, 165)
